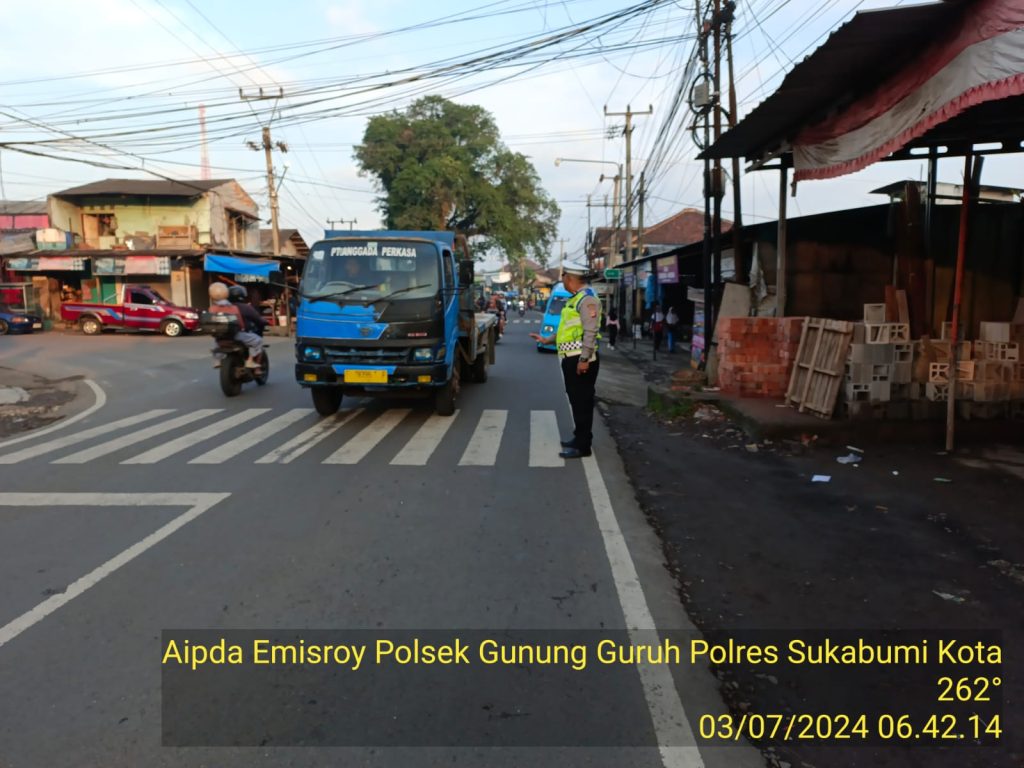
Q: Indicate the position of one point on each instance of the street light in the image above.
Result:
(614, 250)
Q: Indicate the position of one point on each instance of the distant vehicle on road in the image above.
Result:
(141, 309)
(18, 321)
(553, 314)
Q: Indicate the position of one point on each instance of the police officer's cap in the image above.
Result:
(575, 268)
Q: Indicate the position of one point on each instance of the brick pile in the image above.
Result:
(756, 354)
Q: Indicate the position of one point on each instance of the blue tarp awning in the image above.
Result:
(239, 265)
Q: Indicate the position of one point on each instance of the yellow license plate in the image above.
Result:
(309, 377)
(357, 376)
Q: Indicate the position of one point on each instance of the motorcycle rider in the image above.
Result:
(251, 324)
(522, 307)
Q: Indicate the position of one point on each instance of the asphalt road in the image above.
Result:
(174, 508)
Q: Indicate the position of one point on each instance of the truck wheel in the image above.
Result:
(326, 400)
(230, 384)
(171, 328)
(480, 368)
(444, 398)
(90, 326)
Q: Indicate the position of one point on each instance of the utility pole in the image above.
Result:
(737, 214)
(268, 148)
(561, 256)
(350, 222)
(627, 131)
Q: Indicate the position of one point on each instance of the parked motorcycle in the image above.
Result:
(230, 355)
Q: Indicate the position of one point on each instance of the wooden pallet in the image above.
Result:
(820, 360)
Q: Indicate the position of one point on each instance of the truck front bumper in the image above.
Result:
(398, 376)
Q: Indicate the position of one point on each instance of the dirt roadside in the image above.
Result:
(762, 553)
(29, 402)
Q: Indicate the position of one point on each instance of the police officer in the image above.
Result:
(576, 340)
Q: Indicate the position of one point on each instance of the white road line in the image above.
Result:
(301, 443)
(482, 450)
(545, 440)
(80, 437)
(99, 400)
(197, 503)
(232, 448)
(110, 446)
(419, 449)
(356, 448)
(667, 713)
(161, 452)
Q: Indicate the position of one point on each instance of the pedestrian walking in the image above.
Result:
(613, 327)
(576, 338)
(671, 328)
(657, 325)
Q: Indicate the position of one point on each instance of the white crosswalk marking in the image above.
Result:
(232, 448)
(418, 450)
(79, 437)
(355, 449)
(545, 442)
(301, 443)
(105, 449)
(482, 450)
(161, 452)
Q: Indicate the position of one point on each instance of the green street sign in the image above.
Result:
(612, 274)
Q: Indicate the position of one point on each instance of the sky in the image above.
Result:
(131, 75)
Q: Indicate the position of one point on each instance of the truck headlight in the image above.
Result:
(548, 329)
(312, 354)
(422, 354)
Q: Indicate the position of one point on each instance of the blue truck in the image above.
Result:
(390, 313)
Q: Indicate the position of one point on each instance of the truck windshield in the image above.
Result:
(370, 270)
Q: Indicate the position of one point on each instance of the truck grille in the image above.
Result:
(357, 356)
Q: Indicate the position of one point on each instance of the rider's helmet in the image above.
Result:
(218, 291)
(237, 294)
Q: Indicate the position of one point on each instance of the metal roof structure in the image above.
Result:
(847, 65)
(145, 188)
(22, 207)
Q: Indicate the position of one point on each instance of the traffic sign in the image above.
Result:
(612, 274)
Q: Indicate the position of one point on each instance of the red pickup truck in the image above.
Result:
(142, 309)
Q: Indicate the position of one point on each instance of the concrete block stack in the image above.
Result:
(888, 375)
(756, 354)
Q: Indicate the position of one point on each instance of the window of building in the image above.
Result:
(238, 226)
(97, 225)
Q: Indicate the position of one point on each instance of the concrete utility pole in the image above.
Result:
(737, 213)
(268, 147)
(627, 131)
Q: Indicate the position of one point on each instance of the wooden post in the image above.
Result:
(954, 335)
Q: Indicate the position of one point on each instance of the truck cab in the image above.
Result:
(389, 313)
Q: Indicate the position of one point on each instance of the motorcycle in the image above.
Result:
(522, 310)
(500, 314)
(230, 355)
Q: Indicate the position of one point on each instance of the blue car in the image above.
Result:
(552, 314)
(18, 321)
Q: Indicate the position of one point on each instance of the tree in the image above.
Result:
(442, 165)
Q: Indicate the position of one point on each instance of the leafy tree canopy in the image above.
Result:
(442, 165)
